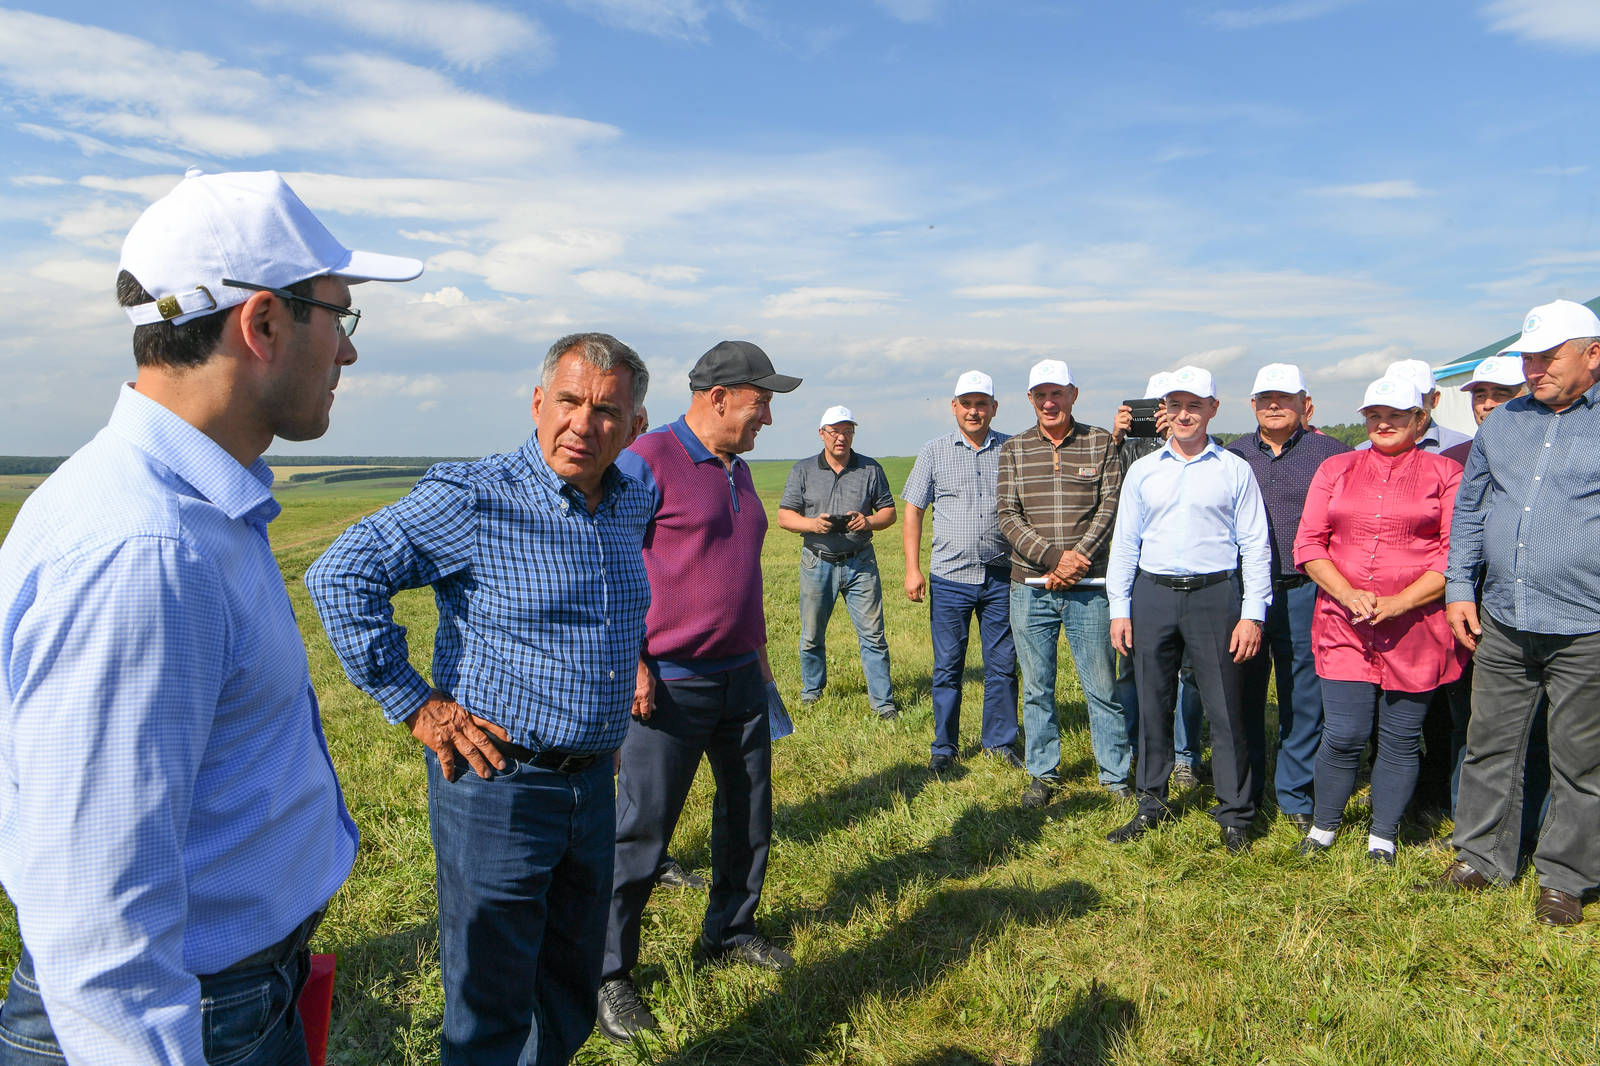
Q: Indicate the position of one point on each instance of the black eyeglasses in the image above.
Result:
(340, 313)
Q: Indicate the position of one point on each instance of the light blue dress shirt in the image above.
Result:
(167, 803)
(1195, 517)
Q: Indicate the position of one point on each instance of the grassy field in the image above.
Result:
(935, 923)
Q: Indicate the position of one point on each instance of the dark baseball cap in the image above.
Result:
(738, 363)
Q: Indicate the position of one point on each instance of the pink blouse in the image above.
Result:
(1383, 521)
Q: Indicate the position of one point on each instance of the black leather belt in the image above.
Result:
(1292, 582)
(283, 950)
(562, 762)
(836, 557)
(1188, 582)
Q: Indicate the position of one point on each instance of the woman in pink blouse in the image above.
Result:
(1374, 536)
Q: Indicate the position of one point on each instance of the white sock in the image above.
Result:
(1321, 836)
(1379, 844)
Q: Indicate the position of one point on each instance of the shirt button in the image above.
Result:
(1527, 508)
(611, 673)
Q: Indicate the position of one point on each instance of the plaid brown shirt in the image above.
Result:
(1058, 497)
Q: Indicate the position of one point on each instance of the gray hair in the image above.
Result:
(603, 352)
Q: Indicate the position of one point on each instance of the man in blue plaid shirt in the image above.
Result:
(535, 560)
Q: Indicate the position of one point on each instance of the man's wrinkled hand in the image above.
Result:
(1464, 623)
(1246, 640)
(1122, 635)
(644, 694)
(453, 733)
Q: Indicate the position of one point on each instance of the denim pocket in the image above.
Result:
(236, 1021)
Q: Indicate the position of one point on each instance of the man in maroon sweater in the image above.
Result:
(702, 675)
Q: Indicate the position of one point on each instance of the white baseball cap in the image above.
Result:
(1278, 377)
(1397, 392)
(1192, 379)
(1498, 370)
(243, 226)
(1049, 372)
(1416, 371)
(1156, 387)
(836, 414)
(1553, 324)
(974, 381)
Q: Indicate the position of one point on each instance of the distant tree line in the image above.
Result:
(30, 464)
(365, 460)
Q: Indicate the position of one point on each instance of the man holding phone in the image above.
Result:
(835, 500)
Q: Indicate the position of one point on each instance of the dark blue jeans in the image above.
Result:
(1286, 654)
(951, 606)
(722, 717)
(523, 862)
(247, 1017)
(1348, 708)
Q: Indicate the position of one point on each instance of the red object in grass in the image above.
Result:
(316, 1007)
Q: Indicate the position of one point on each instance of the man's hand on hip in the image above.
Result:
(452, 731)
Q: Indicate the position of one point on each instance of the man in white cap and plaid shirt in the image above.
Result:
(170, 825)
(1527, 524)
(836, 500)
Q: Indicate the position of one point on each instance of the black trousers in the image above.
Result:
(723, 717)
(1167, 621)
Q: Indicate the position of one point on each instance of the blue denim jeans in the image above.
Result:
(951, 606)
(1349, 707)
(1038, 616)
(1286, 654)
(1188, 722)
(821, 583)
(247, 1017)
(523, 863)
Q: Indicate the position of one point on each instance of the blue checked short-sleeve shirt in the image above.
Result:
(959, 482)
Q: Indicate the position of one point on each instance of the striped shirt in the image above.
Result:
(541, 604)
(1527, 517)
(1058, 497)
(959, 482)
(167, 804)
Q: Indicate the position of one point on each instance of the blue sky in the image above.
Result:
(881, 193)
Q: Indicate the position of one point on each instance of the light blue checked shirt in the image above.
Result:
(960, 482)
(1527, 518)
(1194, 517)
(167, 804)
(541, 604)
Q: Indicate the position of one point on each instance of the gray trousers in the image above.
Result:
(1512, 670)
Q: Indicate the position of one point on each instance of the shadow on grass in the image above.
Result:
(849, 802)
(812, 1004)
(1087, 1035)
(367, 1019)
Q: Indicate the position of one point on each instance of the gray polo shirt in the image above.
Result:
(813, 488)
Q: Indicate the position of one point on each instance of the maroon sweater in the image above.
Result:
(702, 552)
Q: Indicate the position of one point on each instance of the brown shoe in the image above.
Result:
(1463, 876)
(1556, 907)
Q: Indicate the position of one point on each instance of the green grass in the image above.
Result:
(936, 923)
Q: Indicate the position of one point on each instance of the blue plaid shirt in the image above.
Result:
(1527, 518)
(167, 805)
(960, 483)
(541, 604)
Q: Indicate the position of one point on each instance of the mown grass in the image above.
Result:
(936, 923)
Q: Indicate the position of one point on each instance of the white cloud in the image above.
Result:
(1561, 172)
(1573, 25)
(1404, 189)
(465, 33)
(92, 146)
(449, 296)
(820, 301)
(1008, 292)
(683, 19)
(1215, 358)
(621, 284)
(1364, 367)
(93, 276)
(1276, 14)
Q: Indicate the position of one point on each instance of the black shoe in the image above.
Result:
(673, 875)
(1141, 824)
(808, 702)
(1380, 857)
(1308, 847)
(1038, 794)
(940, 763)
(1008, 755)
(622, 1013)
(1121, 793)
(1235, 839)
(1301, 822)
(889, 713)
(1183, 779)
(757, 951)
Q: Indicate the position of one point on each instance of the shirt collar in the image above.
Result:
(959, 439)
(1211, 448)
(698, 452)
(1294, 438)
(850, 464)
(610, 482)
(237, 491)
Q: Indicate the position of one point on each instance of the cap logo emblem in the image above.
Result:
(1531, 324)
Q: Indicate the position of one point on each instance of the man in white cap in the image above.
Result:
(171, 828)
(836, 500)
(1435, 438)
(1495, 380)
(1190, 570)
(956, 476)
(1058, 484)
(1527, 522)
(1283, 455)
